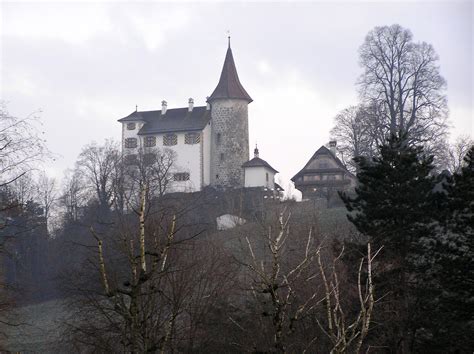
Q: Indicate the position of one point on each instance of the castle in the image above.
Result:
(211, 143)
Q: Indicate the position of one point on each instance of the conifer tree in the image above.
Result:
(393, 208)
(451, 276)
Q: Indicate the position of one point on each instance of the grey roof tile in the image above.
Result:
(175, 120)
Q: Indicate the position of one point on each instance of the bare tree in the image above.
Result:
(352, 130)
(22, 148)
(456, 153)
(345, 334)
(97, 165)
(46, 190)
(294, 279)
(275, 284)
(73, 196)
(151, 167)
(21, 145)
(401, 79)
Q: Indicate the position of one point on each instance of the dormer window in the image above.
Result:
(170, 139)
(192, 138)
(150, 141)
(131, 126)
(131, 143)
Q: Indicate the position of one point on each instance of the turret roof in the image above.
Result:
(229, 85)
(258, 162)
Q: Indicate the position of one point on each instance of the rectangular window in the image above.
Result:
(149, 159)
(181, 176)
(222, 156)
(131, 143)
(131, 126)
(192, 138)
(150, 141)
(218, 138)
(170, 139)
(130, 159)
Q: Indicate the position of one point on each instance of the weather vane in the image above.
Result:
(228, 36)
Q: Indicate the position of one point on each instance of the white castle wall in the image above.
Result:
(190, 158)
(256, 177)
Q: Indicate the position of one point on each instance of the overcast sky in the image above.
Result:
(87, 64)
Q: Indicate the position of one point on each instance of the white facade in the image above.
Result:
(193, 159)
(259, 177)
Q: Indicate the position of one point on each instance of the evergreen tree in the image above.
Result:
(393, 207)
(451, 276)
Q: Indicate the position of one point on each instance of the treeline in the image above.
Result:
(148, 271)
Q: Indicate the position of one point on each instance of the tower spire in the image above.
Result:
(229, 85)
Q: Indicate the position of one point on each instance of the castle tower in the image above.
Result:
(230, 127)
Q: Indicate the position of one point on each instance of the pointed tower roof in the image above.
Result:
(229, 85)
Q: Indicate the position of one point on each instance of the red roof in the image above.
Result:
(229, 85)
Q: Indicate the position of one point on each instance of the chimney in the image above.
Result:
(191, 105)
(332, 146)
(208, 105)
(164, 107)
(255, 152)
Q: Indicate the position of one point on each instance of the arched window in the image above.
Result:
(131, 126)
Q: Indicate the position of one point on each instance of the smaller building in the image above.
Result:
(259, 173)
(323, 175)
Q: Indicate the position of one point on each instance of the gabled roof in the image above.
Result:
(258, 162)
(175, 120)
(322, 151)
(229, 85)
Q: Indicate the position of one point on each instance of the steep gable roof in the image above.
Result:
(229, 85)
(175, 120)
(323, 151)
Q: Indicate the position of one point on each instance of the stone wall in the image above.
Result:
(230, 142)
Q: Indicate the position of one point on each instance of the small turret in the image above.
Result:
(255, 151)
